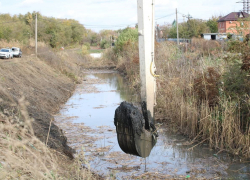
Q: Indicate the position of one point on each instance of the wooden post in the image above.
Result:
(146, 51)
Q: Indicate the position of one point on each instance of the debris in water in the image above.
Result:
(133, 137)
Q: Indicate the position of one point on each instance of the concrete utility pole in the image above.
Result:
(178, 42)
(36, 34)
(146, 51)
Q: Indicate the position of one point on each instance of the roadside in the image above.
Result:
(31, 91)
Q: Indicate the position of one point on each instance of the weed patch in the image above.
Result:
(202, 93)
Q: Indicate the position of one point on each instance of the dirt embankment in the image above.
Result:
(43, 87)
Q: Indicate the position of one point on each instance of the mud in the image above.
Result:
(91, 130)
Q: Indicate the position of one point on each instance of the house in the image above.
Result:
(234, 23)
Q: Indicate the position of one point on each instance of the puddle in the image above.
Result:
(88, 122)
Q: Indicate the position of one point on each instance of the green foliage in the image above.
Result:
(213, 24)
(235, 46)
(105, 44)
(55, 32)
(236, 81)
(84, 50)
(94, 39)
(87, 45)
(191, 28)
(127, 36)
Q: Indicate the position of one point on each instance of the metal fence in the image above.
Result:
(174, 40)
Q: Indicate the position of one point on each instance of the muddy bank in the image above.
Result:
(88, 122)
(44, 88)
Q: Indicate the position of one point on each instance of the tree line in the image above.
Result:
(52, 31)
(191, 28)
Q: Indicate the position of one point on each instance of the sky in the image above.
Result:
(117, 14)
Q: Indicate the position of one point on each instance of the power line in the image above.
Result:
(92, 25)
(165, 16)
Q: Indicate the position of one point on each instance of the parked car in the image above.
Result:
(17, 52)
(6, 53)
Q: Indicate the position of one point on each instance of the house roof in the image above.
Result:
(234, 16)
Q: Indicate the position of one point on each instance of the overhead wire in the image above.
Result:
(165, 16)
(93, 25)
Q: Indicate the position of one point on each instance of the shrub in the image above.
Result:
(85, 50)
(87, 45)
(105, 44)
(128, 36)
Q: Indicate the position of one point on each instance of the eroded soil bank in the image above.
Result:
(44, 90)
(87, 120)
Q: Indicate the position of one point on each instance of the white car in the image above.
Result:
(6, 53)
(17, 52)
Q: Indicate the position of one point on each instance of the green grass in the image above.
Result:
(96, 50)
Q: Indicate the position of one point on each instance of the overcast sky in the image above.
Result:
(116, 14)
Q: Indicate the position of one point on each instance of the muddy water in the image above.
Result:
(88, 121)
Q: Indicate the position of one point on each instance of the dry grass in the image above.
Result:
(189, 97)
(44, 86)
(13, 43)
(190, 93)
(23, 156)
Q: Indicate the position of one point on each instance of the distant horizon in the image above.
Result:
(118, 14)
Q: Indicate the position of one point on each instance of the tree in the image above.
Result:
(213, 24)
(53, 31)
(127, 36)
(191, 28)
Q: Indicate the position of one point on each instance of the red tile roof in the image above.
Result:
(233, 16)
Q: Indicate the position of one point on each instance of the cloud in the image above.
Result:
(170, 3)
(28, 2)
(117, 12)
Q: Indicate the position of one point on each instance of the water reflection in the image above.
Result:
(94, 104)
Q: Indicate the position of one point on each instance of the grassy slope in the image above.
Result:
(30, 91)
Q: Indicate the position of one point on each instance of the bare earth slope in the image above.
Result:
(43, 87)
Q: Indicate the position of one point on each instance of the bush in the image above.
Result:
(84, 50)
(87, 45)
(104, 44)
(127, 36)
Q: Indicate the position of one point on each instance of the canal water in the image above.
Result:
(87, 120)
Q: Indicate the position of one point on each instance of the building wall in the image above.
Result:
(207, 37)
(222, 27)
(230, 27)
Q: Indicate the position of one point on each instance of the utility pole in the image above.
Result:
(178, 42)
(127, 125)
(36, 34)
(146, 31)
(183, 18)
(246, 6)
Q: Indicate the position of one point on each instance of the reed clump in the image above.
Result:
(202, 91)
